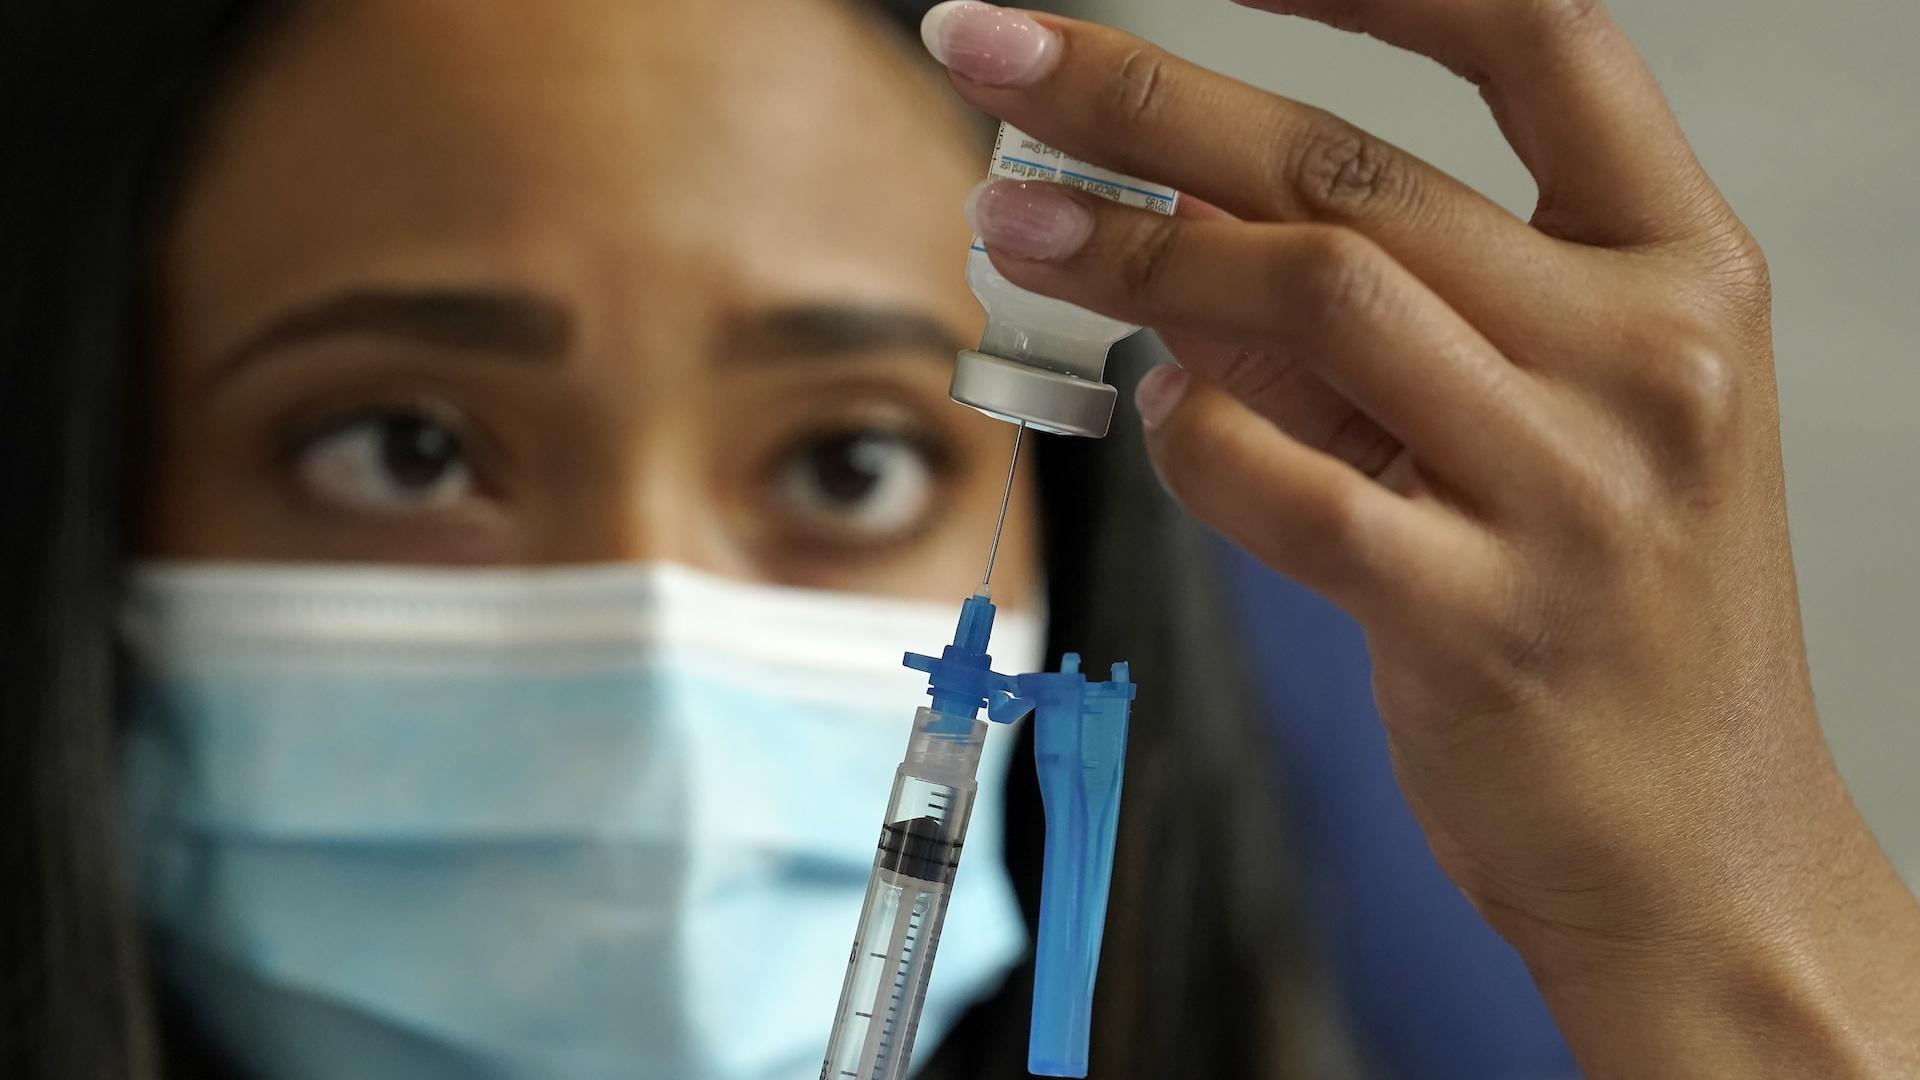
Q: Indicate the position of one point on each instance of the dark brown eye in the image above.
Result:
(397, 460)
(866, 481)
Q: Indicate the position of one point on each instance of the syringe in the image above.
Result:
(899, 928)
(1080, 739)
(1081, 745)
(920, 842)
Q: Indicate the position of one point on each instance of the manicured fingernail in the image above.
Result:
(993, 45)
(1029, 220)
(1159, 393)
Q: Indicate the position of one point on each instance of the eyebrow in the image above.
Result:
(508, 323)
(812, 330)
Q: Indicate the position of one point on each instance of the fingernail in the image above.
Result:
(1029, 220)
(1159, 393)
(993, 45)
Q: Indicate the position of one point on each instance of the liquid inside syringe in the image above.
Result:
(906, 903)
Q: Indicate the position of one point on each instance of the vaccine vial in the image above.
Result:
(1041, 361)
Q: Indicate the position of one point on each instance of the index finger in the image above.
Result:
(1111, 98)
(1102, 95)
(1570, 93)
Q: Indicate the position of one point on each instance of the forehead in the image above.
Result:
(748, 146)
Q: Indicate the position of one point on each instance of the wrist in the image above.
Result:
(1729, 1010)
(1785, 982)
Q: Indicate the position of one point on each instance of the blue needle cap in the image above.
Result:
(1080, 749)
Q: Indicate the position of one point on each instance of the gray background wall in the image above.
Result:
(1805, 113)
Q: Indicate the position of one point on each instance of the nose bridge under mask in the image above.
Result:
(664, 511)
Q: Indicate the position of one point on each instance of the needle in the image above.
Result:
(1012, 467)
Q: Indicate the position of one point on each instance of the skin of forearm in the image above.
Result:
(1817, 974)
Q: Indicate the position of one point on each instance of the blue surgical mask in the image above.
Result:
(573, 823)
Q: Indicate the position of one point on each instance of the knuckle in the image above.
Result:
(1256, 376)
(1335, 272)
(1361, 442)
(1528, 630)
(1736, 267)
(1603, 499)
(1339, 172)
(1143, 262)
(1137, 87)
(1324, 522)
(1350, 15)
(1690, 389)
(1700, 386)
(1556, 19)
(1748, 261)
(1598, 508)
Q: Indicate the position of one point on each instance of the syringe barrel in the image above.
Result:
(899, 929)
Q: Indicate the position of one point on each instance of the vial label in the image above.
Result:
(1019, 156)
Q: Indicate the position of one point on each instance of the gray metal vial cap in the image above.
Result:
(1046, 400)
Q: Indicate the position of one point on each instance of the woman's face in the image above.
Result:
(582, 281)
